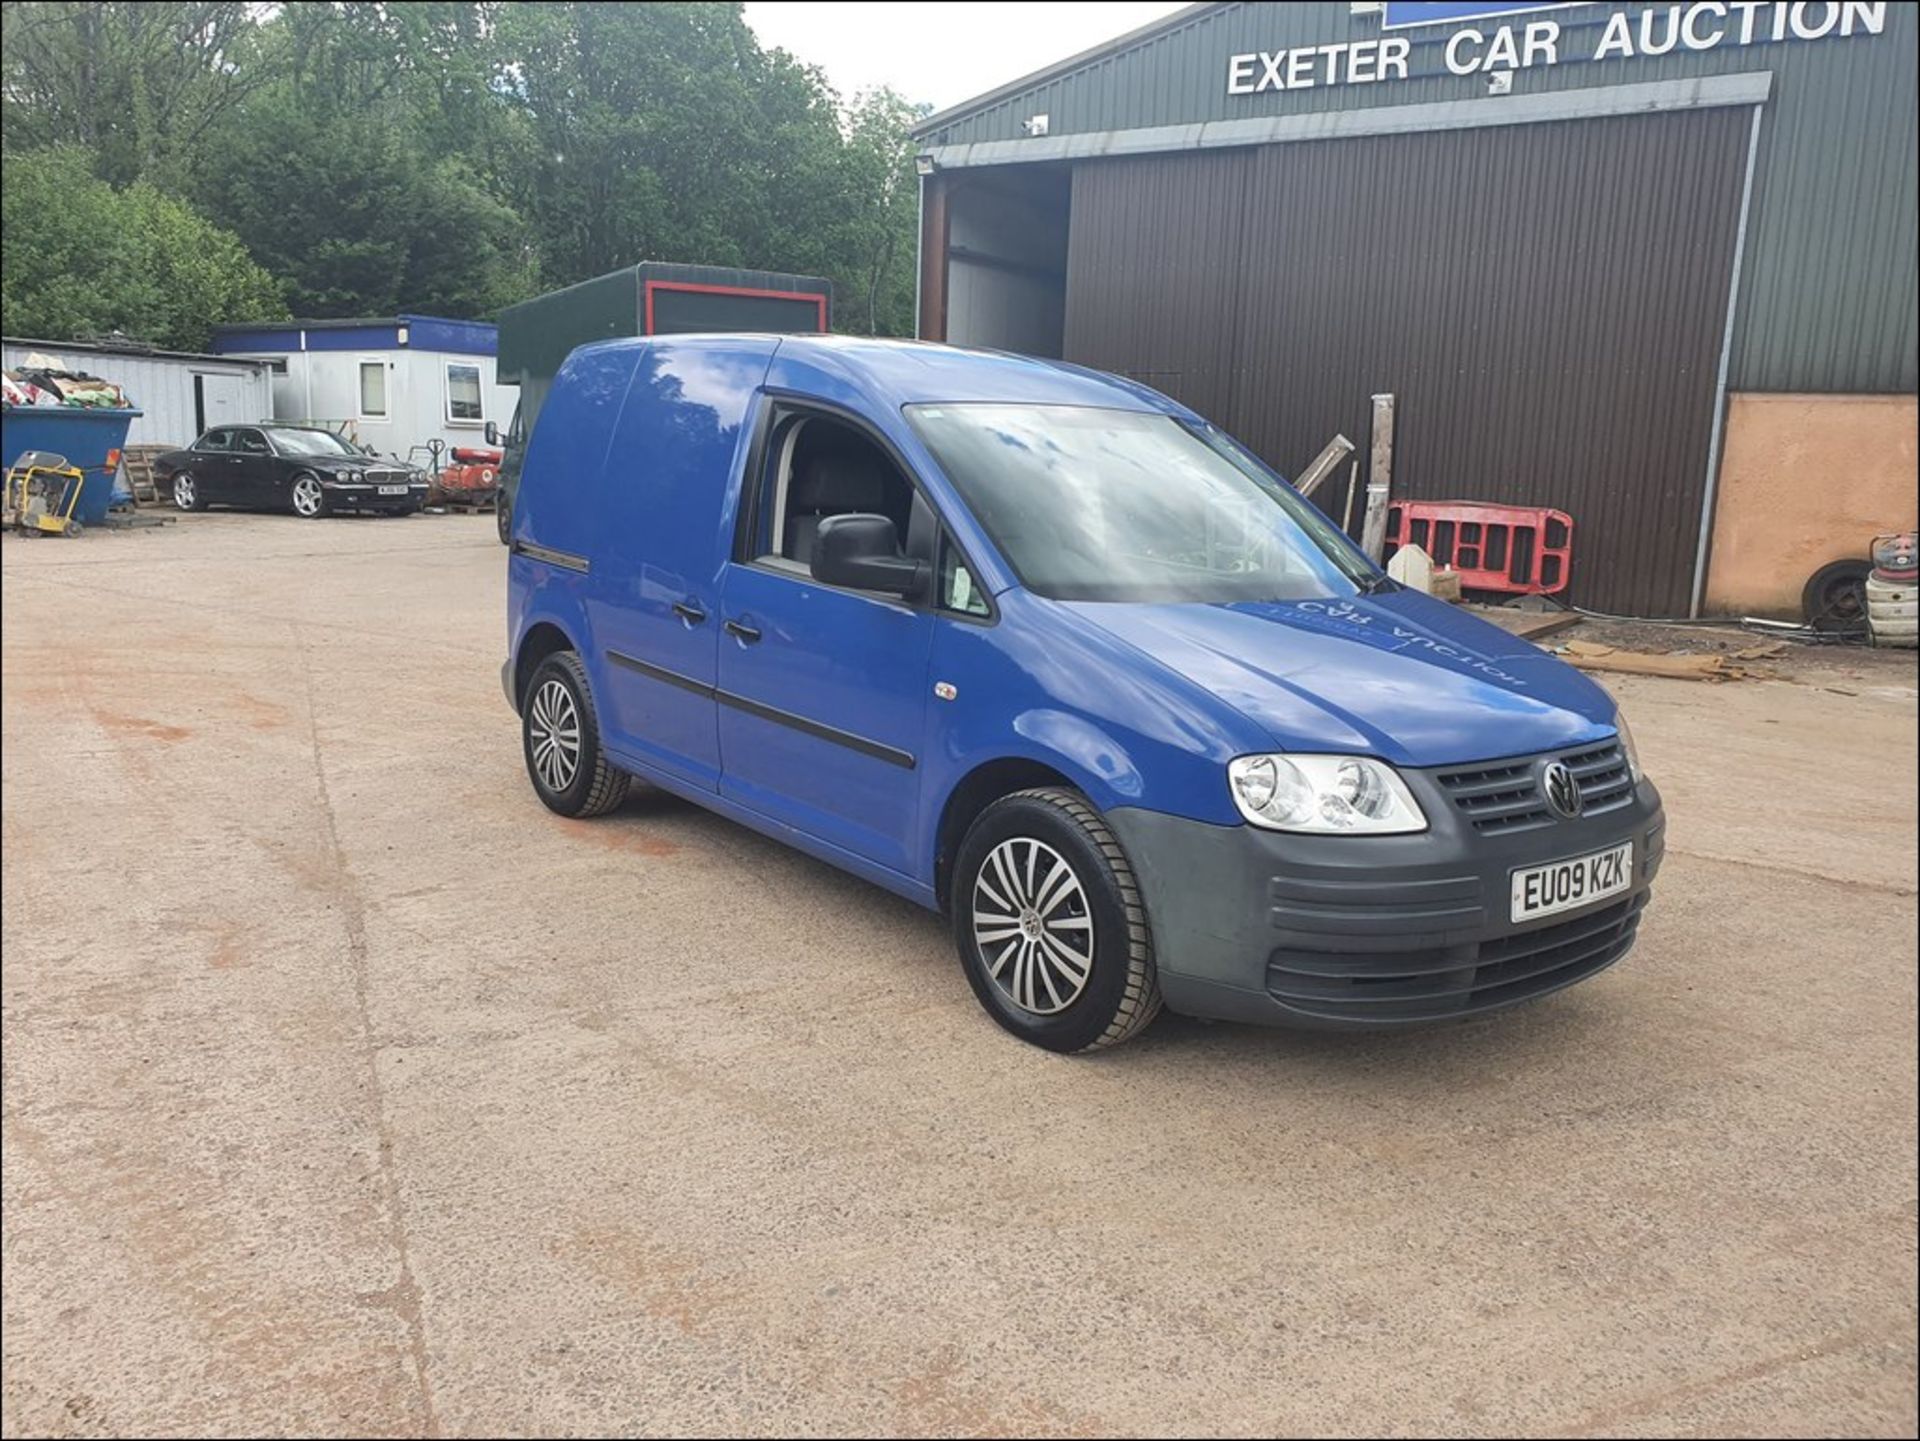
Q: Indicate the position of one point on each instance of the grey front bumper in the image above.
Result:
(1341, 932)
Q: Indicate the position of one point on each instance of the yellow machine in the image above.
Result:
(42, 494)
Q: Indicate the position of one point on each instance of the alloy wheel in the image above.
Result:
(554, 725)
(307, 496)
(183, 491)
(1033, 925)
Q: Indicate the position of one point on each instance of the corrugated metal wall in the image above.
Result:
(1547, 302)
(1830, 285)
(161, 387)
(1832, 268)
(1156, 263)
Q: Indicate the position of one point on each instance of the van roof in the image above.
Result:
(909, 372)
(915, 371)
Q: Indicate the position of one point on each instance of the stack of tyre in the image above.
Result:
(1893, 591)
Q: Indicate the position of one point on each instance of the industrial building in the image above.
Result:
(179, 393)
(395, 383)
(1653, 265)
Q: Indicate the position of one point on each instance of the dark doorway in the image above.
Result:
(1006, 284)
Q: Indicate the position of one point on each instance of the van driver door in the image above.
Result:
(823, 691)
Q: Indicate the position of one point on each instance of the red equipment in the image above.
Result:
(470, 477)
(1524, 549)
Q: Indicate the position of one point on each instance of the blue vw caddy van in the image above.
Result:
(1043, 649)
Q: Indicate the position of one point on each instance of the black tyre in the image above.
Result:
(1835, 597)
(503, 516)
(561, 741)
(186, 492)
(1050, 924)
(309, 497)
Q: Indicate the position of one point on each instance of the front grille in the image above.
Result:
(1505, 796)
(1452, 980)
(386, 477)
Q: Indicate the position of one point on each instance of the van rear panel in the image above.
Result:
(559, 504)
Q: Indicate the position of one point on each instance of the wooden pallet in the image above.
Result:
(137, 460)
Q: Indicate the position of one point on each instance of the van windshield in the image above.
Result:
(1114, 505)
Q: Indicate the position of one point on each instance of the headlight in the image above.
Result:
(1627, 745)
(1327, 795)
(351, 477)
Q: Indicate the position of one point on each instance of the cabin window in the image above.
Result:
(463, 394)
(373, 390)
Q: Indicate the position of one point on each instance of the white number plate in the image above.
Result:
(1568, 885)
(393, 490)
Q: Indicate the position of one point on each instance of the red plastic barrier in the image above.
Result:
(1524, 549)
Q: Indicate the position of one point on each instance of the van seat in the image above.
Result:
(849, 482)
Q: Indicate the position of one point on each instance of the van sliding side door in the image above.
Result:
(654, 594)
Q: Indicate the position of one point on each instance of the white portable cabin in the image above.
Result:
(395, 383)
(179, 393)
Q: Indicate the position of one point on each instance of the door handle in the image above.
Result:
(689, 612)
(742, 632)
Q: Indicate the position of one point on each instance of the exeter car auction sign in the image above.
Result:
(1486, 41)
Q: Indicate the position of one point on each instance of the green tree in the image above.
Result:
(345, 175)
(468, 252)
(458, 155)
(664, 132)
(877, 246)
(138, 84)
(80, 258)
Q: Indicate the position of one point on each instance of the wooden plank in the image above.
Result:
(1337, 450)
(1373, 529)
(1527, 624)
(1589, 656)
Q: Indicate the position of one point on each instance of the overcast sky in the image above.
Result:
(938, 52)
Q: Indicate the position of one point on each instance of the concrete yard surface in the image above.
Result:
(348, 1091)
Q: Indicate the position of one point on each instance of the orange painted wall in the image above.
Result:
(1805, 479)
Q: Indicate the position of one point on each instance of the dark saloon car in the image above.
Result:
(304, 469)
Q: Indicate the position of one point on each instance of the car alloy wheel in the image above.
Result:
(554, 733)
(1033, 925)
(183, 490)
(308, 498)
(1049, 923)
(560, 741)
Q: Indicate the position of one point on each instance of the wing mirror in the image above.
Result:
(492, 432)
(862, 552)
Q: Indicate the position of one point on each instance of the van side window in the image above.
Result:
(817, 467)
